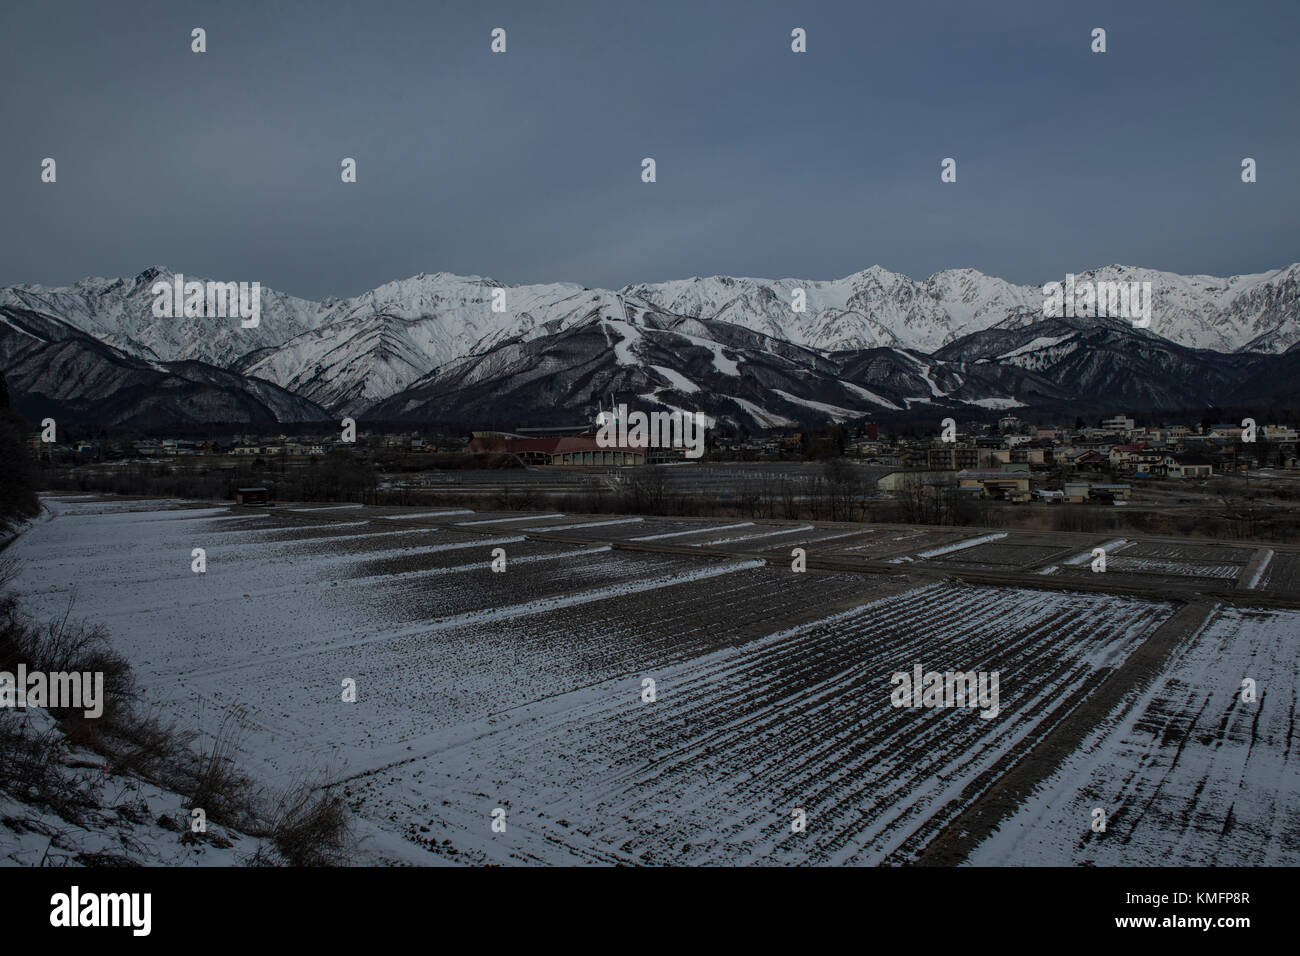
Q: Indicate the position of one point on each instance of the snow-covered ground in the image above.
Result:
(735, 741)
(523, 689)
(961, 545)
(289, 607)
(134, 820)
(1187, 772)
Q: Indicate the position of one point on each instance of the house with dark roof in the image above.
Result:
(252, 496)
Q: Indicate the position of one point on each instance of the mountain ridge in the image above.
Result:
(351, 356)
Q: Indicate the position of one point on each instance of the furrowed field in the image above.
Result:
(526, 689)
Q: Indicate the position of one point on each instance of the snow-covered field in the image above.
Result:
(523, 689)
(288, 608)
(1187, 772)
(735, 741)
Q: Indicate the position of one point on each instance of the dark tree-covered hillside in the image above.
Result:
(17, 467)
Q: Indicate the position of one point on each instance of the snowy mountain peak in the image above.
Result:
(349, 352)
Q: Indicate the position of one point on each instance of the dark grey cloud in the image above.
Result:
(526, 166)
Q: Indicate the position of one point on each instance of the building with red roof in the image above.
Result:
(561, 450)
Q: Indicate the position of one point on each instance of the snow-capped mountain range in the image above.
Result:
(352, 356)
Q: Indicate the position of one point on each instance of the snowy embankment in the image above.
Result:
(1258, 574)
(961, 545)
(1085, 556)
(948, 548)
(102, 819)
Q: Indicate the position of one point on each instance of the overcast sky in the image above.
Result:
(526, 166)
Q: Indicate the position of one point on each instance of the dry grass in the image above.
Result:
(32, 770)
(309, 827)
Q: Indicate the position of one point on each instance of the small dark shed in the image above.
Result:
(252, 496)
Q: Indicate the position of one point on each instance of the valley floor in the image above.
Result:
(670, 691)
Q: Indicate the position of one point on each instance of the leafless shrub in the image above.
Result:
(32, 770)
(63, 644)
(148, 747)
(8, 571)
(217, 787)
(309, 827)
